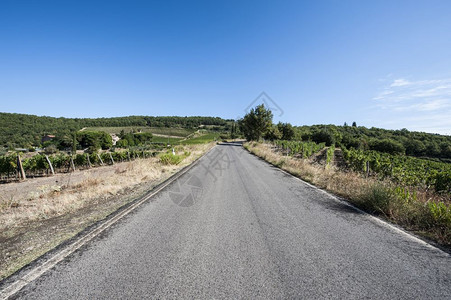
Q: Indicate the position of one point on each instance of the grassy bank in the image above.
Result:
(424, 212)
(37, 215)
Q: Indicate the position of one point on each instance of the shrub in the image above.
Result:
(440, 212)
(377, 199)
(443, 181)
(324, 136)
(50, 149)
(171, 159)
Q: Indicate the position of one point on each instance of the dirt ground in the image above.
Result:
(38, 214)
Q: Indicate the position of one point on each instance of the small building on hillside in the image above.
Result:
(115, 138)
(47, 137)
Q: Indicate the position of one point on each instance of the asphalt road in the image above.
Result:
(236, 227)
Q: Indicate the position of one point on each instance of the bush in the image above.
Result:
(324, 136)
(377, 199)
(443, 182)
(50, 149)
(171, 159)
(440, 213)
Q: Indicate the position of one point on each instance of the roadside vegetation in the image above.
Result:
(387, 175)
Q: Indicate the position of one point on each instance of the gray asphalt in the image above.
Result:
(236, 227)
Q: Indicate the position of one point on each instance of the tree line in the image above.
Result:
(257, 124)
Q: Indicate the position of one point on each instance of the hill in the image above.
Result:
(419, 144)
(21, 130)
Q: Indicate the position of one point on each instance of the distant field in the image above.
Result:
(181, 132)
(206, 138)
(172, 136)
(162, 139)
(202, 139)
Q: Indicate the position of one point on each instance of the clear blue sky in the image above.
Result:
(380, 63)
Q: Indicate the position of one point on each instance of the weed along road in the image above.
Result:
(235, 227)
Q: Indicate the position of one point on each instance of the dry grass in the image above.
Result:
(53, 200)
(422, 211)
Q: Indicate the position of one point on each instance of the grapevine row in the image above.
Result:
(38, 165)
(304, 149)
(405, 170)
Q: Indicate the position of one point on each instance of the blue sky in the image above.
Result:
(380, 63)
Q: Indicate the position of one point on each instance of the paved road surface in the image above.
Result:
(235, 227)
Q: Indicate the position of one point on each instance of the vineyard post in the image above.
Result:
(89, 161)
(50, 165)
(327, 159)
(72, 163)
(367, 168)
(20, 167)
(111, 157)
(101, 161)
(128, 155)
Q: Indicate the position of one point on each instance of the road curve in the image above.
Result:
(235, 227)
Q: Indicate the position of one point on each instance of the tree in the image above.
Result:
(286, 130)
(354, 124)
(388, 146)
(94, 140)
(414, 147)
(256, 123)
(324, 136)
(273, 133)
(233, 133)
(74, 142)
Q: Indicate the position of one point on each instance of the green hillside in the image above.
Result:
(21, 130)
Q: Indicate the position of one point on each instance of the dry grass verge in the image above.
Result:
(424, 212)
(36, 215)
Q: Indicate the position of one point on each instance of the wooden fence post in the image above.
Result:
(128, 155)
(20, 167)
(101, 161)
(72, 163)
(50, 164)
(89, 161)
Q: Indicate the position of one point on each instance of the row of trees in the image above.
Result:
(95, 140)
(258, 124)
(133, 139)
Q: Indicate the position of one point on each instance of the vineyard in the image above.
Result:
(404, 170)
(39, 165)
(303, 149)
(411, 192)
